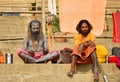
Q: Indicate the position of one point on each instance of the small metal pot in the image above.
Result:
(9, 58)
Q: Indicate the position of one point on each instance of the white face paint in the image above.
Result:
(35, 27)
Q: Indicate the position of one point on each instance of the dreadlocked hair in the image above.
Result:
(29, 34)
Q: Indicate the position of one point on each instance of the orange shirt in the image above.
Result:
(78, 38)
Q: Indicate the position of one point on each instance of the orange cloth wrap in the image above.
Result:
(84, 56)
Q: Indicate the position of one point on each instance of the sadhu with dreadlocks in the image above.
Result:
(84, 51)
(35, 48)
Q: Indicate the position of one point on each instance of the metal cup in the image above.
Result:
(9, 58)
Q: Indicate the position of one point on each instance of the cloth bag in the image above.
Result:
(118, 62)
(65, 55)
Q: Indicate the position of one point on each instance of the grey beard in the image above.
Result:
(35, 36)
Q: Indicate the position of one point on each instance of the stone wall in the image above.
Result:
(54, 73)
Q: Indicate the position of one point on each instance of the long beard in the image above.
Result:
(35, 36)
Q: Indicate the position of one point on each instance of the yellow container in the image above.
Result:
(101, 53)
(102, 59)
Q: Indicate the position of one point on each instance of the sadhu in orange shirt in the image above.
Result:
(84, 53)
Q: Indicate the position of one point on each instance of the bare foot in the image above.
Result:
(70, 73)
(96, 74)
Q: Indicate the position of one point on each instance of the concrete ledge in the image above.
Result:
(54, 73)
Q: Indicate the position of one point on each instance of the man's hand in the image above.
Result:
(91, 43)
(86, 44)
(45, 51)
(31, 52)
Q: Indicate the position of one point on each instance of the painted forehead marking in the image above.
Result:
(35, 23)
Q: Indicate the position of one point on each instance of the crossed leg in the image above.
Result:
(53, 56)
(27, 58)
(50, 56)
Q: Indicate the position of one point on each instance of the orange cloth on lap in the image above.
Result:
(86, 53)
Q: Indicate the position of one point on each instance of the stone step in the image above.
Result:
(14, 33)
(113, 3)
(13, 25)
(13, 2)
(54, 73)
(18, 1)
(112, 6)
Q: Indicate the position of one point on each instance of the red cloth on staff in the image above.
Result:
(116, 27)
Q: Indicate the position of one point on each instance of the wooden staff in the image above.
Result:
(49, 33)
(50, 36)
(52, 41)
